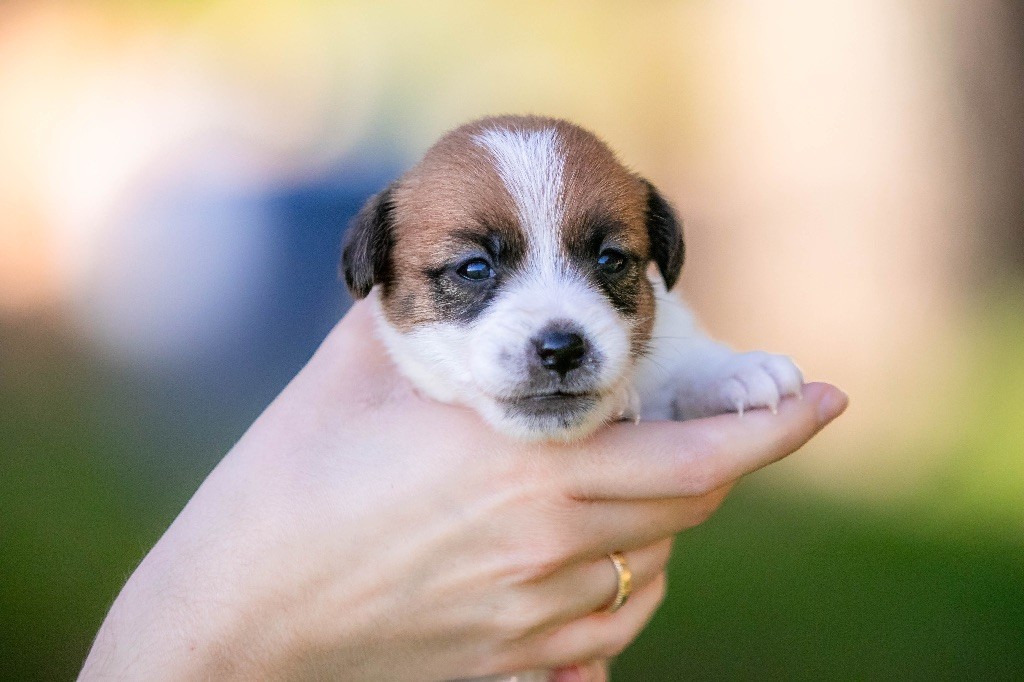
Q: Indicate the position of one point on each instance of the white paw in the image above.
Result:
(736, 382)
(756, 379)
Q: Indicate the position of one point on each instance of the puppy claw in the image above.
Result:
(630, 409)
(746, 381)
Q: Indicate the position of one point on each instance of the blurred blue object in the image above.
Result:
(212, 297)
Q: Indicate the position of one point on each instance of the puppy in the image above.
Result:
(523, 271)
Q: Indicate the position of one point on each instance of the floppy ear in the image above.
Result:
(366, 249)
(665, 232)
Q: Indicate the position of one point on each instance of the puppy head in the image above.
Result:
(511, 267)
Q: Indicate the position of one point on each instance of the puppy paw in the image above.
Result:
(757, 379)
(735, 383)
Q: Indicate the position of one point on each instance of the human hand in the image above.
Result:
(362, 532)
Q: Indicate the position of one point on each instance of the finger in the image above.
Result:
(600, 635)
(681, 459)
(624, 525)
(592, 584)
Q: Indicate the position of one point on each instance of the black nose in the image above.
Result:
(559, 350)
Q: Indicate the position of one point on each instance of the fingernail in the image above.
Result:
(832, 405)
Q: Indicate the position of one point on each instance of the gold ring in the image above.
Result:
(625, 578)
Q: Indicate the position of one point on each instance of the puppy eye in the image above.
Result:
(476, 270)
(611, 261)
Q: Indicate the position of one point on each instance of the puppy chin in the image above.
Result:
(567, 419)
(563, 420)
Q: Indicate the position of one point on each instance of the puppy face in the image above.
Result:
(511, 266)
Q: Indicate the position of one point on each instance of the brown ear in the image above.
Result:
(366, 249)
(665, 232)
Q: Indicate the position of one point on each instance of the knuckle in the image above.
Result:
(538, 560)
(506, 656)
(515, 621)
(520, 614)
(548, 547)
(537, 544)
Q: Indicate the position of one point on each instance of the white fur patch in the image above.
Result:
(530, 164)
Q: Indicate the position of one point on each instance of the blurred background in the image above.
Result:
(175, 177)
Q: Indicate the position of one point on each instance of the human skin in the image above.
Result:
(359, 531)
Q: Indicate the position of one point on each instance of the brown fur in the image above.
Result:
(455, 186)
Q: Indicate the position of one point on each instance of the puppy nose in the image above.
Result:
(560, 351)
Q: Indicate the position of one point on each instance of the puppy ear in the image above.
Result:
(665, 232)
(366, 249)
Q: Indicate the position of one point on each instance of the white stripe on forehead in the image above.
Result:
(530, 164)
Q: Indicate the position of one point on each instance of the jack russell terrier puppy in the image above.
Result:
(523, 271)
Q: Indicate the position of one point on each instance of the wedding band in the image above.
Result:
(625, 578)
